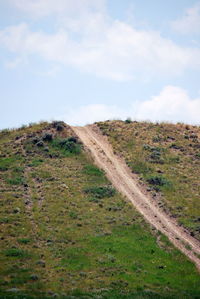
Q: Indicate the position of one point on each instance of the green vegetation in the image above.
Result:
(100, 191)
(36, 162)
(67, 145)
(166, 158)
(24, 241)
(66, 232)
(159, 181)
(15, 252)
(6, 163)
(92, 170)
(128, 120)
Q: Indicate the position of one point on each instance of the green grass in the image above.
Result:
(100, 191)
(159, 182)
(78, 236)
(67, 145)
(91, 169)
(16, 252)
(15, 180)
(24, 241)
(6, 163)
(165, 157)
(36, 162)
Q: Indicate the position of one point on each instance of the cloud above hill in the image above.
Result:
(173, 104)
(88, 39)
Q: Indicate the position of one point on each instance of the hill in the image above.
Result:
(166, 157)
(67, 233)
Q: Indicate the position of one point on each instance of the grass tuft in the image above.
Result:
(101, 192)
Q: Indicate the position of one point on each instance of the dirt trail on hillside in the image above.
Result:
(124, 181)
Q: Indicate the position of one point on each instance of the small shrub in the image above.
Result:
(73, 215)
(187, 127)
(47, 137)
(18, 169)
(40, 143)
(128, 120)
(176, 146)
(35, 139)
(155, 155)
(31, 124)
(58, 125)
(15, 252)
(101, 192)
(23, 127)
(146, 147)
(156, 158)
(73, 139)
(5, 132)
(156, 139)
(15, 181)
(36, 162)
(92, 170)
(6, 163)
(140, 167)
(68, 145)
(197, 155)
(23, 241)
(93, 199)
(158, 181)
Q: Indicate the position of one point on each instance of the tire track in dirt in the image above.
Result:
(123, 180)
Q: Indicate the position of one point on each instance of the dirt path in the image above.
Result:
(123, 180)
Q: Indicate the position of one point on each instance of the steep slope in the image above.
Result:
(65, 231)
(123, 180)
(166, 157)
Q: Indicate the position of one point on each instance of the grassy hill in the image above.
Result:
(167, 159)
(66, 233)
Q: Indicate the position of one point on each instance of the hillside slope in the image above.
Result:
(166, 158)
(65, 231)
(123, 180)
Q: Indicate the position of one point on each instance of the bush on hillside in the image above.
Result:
(47, 136)
(68, 144)
(158, 181)
(101, 192)
(128, 120)
(58, 125)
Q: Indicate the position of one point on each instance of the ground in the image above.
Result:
(65, 230)
(166, 157)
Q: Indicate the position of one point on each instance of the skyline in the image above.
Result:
(82, 61)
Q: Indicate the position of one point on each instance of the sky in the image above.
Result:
(83, 61)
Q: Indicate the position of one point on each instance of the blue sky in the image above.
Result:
(87, 60)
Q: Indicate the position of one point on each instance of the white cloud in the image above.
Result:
(190, 22)
(91, 113)
(108, 49)
(173, 104)
(89, 40)
(43, 8)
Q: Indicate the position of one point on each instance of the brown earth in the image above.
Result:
(126, 183)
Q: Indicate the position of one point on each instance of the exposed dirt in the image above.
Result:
(125, 182)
